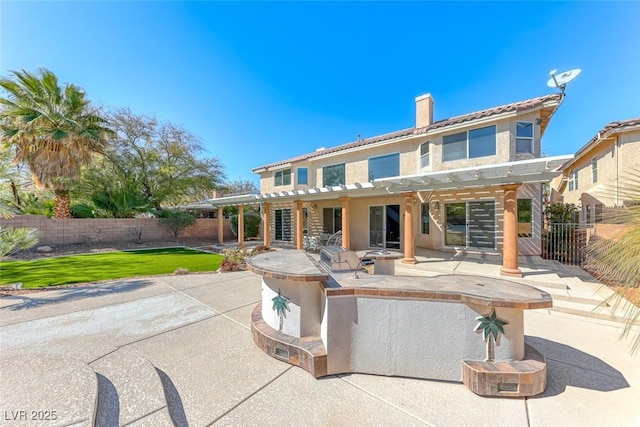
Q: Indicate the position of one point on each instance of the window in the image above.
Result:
(573, 181)
(424, 220)
(333, 175)
(524, 137)
(525, 217)
(331, 220)
(475, 143)
(424, 155)
(454, 147)
(482, 142)
(384, 166)
(283, 177)
(303, 176)
(594, 170)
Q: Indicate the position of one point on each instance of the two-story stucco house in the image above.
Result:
(596, 177)
(470, 182)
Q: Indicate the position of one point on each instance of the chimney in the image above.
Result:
(424, 110)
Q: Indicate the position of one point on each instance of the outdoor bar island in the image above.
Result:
(449, 327)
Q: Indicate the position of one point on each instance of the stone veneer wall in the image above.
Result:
(68, 231)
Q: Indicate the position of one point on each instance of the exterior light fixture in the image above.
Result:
(436, 206)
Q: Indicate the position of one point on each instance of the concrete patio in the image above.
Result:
(177, 350)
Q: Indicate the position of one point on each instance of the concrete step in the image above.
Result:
(130, 390)
(66, 392)
(593, 301)
(589, 310)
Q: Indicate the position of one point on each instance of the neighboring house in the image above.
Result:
(594, 179)
(447, 184)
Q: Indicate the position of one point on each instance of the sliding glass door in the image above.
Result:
(470, 224)
(384, 226)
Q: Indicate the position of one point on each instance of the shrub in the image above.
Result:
(229, 265)
(251, 224)
(177, 220)
(260, 249)
(561, 213)
(237, 254)
(82, 210)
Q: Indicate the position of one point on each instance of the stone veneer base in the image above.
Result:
(307, 352)
(527, 376)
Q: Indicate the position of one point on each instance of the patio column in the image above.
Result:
(241, 225)
(220, 224)
(299, 240)
(346, 236)
(409, 243)
(510, 232)
(266, 223)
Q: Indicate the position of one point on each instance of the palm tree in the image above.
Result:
(12, 239)
(280, 306)
(491, 328)
(618, 261)
(52, 129)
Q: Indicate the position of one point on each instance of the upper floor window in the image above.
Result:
(384, 166)
(524, 137)
(424, 155)
(573, 181)
(474, 143)
(303, 178)
(594, 170)
(282, 177)
(333, 175)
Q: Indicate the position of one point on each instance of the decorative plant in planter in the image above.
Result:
(491, 328)
(280, 307)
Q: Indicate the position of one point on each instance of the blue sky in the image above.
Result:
(259, 82)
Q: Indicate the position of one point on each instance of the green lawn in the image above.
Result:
(105, 266)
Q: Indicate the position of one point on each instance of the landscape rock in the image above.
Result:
(44, 249)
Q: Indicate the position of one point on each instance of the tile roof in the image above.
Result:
(618, 125)
(610, 128)
(528, 104)
(605, 132)
(507, 108)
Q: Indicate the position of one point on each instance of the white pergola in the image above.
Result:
(508, 176)
(519, 172)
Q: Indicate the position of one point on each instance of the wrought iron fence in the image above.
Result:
(566, 243)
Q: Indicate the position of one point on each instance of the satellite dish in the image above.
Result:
(561, 80)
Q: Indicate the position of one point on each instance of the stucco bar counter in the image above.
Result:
(421, 327)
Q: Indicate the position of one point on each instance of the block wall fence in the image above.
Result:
(73, 230)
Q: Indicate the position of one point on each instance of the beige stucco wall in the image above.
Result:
(615, 157)
(357, 166)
